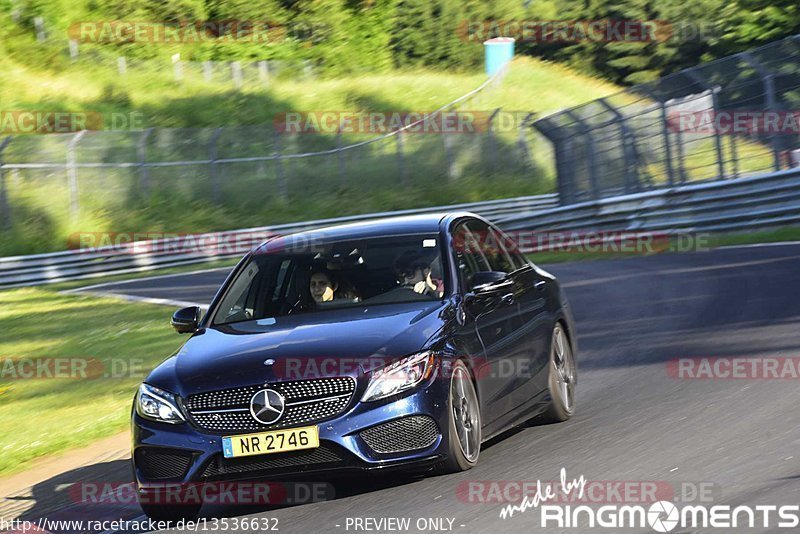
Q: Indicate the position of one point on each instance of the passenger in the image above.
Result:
(322, 285)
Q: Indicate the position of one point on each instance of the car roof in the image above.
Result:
(426, 223)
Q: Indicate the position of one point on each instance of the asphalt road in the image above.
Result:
(634, 421)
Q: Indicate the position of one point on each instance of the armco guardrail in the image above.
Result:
(143, 256)
(728, 205)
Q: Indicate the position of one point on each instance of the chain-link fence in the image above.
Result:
(77, 178)
(719, 120)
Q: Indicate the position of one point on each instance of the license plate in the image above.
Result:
(293, 439)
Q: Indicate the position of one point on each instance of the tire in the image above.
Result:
(562, 378)
(464, 422)
(164, 512)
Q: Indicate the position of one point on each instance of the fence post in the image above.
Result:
(490, 144)
(629, 153)
(72, 174)
(207, 71)
(177, 67)
(141, 152)
(263, 72)
(279, 174)
(214, 171)
(73, 50)
(122, 66)
(38, 23)
(449, 159)
(714, 104)
(5, 208)
(522, 141)
(340, 155)
(664, 132)
(592, 163)
(768, 81)
(236, 74)
(400, 160)
(681, 156)
(734, 156)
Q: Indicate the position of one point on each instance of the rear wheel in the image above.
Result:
(464, 422)
(562, 378)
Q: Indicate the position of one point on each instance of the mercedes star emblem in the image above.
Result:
(267, 406)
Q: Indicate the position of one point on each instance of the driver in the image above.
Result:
(414, 273)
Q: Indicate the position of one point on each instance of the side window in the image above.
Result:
(514, 251)
(509, 250)
(469, 257)
(491, 247)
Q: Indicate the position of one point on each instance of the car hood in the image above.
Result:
(335, 343)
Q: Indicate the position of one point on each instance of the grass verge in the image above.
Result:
(99, 339)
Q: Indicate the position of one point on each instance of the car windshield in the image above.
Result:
(284, 280)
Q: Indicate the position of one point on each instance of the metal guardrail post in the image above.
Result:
(768, 81)
(213, 170)
(141, 153)
(695, 76)
(72, 174)
(5, 208)
(592, 163)
(629, 156)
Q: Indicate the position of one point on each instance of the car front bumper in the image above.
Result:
(366, 436)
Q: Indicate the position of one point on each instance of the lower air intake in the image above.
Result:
(401, 435)
(162, 464)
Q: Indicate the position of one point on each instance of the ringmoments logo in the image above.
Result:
(660, 516)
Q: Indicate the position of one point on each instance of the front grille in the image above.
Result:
(162, 464)
(405, 434)
(307, 402)
(222, 466)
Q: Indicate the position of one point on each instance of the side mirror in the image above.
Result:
(488, 282)
(185, 320)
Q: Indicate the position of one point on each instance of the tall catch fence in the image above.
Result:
(725, 119)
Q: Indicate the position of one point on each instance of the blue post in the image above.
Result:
(499, 51)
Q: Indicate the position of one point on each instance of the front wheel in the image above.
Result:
(464, 422)
(562, 378)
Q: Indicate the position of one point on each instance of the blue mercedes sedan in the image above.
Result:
(400, 343)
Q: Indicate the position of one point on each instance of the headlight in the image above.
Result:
(158, 405)
(399, 376)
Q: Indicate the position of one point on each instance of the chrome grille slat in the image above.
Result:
(307, 401)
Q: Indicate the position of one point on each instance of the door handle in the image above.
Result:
(540, 285)
(508, 299)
